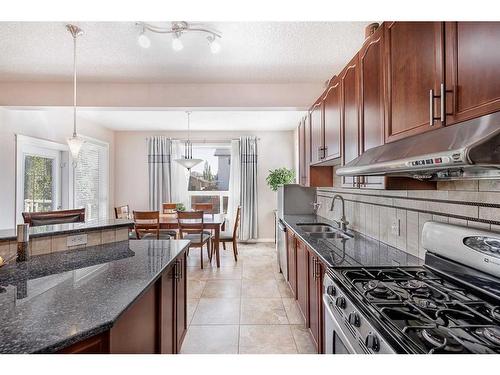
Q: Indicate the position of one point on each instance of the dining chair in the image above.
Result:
(36, 219)
(191, 228)
(168, 207)
(231, 236)
(147, 226)
(207, 208)
(122, 212)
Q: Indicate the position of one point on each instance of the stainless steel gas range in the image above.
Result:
(451, 304)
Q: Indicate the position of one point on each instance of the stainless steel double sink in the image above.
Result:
(321, 230)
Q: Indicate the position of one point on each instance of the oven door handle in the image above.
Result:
(338, 330)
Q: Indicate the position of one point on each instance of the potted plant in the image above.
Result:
(280, 176)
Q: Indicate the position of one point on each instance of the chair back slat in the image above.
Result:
(147, 222)
(190, 222)
(122, 212)
(207, 208)
(168, 207)
(236, 222)
(36, 219)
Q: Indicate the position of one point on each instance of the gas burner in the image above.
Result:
(492, 334)
(495, 313)
(442, 341)
(416, 286)
(378, 289)
(425, 303)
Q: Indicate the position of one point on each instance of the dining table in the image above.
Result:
(212, 222)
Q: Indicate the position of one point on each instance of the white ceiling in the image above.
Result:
(213, 120)
(252, 52)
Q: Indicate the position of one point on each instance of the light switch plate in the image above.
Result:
(77, 239)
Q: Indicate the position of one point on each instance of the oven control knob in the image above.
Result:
(372, 342)
(354, 319)
(331, 291)
(340, 302)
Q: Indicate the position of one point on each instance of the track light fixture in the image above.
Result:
(177, 29)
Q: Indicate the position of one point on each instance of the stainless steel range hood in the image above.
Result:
(470, 150)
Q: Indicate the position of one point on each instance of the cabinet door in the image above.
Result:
(371, 99)
(350, 117)
(332, 120)
(302, 279)
(167, 311)
(472, 69)
(414, 62)
(307, 149)
(302, 156)
(315, 302)
(292, 262)
(180, 301)
(317, 136)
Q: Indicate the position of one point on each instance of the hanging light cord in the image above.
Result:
(74, 85)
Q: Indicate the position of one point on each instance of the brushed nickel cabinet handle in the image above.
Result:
(431, 107)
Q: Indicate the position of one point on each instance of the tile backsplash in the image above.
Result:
(55, 243)
(396, 217)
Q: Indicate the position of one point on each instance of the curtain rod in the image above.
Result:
(205, 140)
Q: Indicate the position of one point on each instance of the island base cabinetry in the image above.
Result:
(155, 323)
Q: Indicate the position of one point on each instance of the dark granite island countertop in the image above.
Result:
(360, 250)
(55, 300)
(50, 230)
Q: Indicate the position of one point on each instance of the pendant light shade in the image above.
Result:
(187, 160)
(76, 142)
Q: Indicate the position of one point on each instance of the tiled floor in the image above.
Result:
(242, 307)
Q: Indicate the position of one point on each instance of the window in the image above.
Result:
(47, 181)
(39, 182)
(209, 180)
(91, 180)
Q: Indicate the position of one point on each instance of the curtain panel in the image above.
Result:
(159, 168)
(248, 188)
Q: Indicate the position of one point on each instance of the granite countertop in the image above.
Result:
(49, 230)
(55, 300)
(359, 250)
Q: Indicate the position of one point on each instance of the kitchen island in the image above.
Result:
(121, 297)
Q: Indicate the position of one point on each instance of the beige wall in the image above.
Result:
(372, 212)
(275, 149)
(55, 125)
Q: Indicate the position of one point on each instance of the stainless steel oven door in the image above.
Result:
(336, 342)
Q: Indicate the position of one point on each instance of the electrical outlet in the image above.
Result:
(396, 227)
(78, 239)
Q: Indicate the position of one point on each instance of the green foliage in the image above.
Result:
(280, 176)
(207, 172)
(180, 207)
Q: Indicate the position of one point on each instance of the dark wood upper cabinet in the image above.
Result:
(307, 150)
(332, 119)
(371, 99)
(414, 66)
(317, 134)
(472, 69)
(350, 117)
(302, 157)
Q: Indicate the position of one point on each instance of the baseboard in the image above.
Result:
(259, 240)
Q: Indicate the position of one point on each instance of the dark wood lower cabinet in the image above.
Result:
(316, 271)
(305, 279)
(302, 278)
(155, 323)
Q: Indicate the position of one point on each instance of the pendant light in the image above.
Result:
(187, 160)
(76, 142)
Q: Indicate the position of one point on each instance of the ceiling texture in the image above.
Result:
(252, 52)
(268, 53)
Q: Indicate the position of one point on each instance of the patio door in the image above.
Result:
(39, 186)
